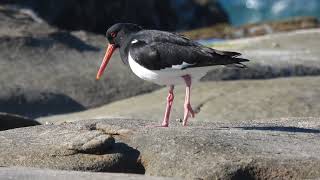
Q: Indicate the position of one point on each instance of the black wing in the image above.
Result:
(150, 36)
(164, 52)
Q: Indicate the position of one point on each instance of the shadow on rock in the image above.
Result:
(122, 158)
(130, 163)
(11, 121)
(261, 72)
(282, 129)
(36, 104)
(64, 38)
(72, 41)
(244, 173)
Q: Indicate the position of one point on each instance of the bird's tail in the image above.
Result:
(236, 63)
(232, 59)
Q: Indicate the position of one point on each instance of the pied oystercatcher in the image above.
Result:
(166, 59)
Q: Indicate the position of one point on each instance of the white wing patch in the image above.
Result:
(134, 41)
(181, 66)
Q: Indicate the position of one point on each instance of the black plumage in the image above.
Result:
(157, 50)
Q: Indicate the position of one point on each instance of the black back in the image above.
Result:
(157, 50)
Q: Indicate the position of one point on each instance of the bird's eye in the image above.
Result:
(113, 34)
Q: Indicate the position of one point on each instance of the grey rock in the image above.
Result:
(18, 173)
(282, 148)
(17, 22)
(45, 71)
(35, 103)
(227, 101)
(11, 121)
(295, 54)
(91, 142)
(65, 147)
(53, 71)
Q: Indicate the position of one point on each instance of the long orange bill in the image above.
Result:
(106, 59)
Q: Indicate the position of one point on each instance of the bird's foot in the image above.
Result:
(157, 126)
(188, 112)
(164, 125)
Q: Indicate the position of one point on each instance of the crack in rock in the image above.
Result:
(113, 130)
(97, 139)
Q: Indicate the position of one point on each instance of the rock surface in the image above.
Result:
(218, 102)
(77, 147)
(11, 121)
(46, 71)
(277, 55)
(18, 173)
(283, 148)
(53, 71)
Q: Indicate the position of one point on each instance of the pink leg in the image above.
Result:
(188, 111)
(170, 98)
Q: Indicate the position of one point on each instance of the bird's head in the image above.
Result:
(116, 36)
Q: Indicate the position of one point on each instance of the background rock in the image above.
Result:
(218, 102)
(284, 148)
(55, 70)
(225, 31)
(277, 55)
(97, 15)
(33, 103)
(45, 71)
(11, 121)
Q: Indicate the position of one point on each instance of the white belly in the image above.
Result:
(168, 76)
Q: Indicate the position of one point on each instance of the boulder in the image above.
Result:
(11, 121)
(280, 148)
(78, 148)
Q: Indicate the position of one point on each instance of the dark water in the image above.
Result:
(251, 11)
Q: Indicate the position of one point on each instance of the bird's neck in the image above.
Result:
(124, 50)
(124, 47)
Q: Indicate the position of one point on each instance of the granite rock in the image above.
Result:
(281, 148)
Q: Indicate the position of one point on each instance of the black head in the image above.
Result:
(118, 32)
(116, 35)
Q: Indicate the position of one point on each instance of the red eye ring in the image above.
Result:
(113, 34)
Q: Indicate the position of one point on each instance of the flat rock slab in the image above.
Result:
(263, 149)
(218, 102)
(11, 121)
(18, 173)
(278, 55)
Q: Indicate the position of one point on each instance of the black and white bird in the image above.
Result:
(166, 59)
